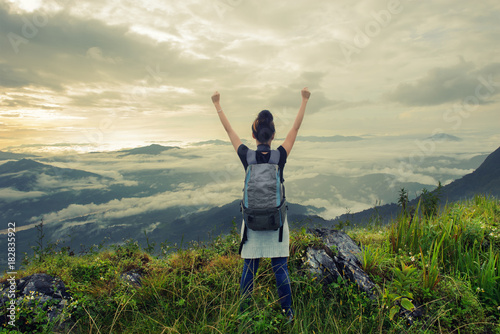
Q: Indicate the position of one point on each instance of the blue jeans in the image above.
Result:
(280, 269)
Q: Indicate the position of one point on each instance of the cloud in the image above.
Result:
(213, 194)
(97, 54)
(340, 205)
(290, 96)
(48, 182)
(445, 84)
(11, 195)
(149, 68)
(70, 51)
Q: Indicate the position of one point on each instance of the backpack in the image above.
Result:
(264, 203)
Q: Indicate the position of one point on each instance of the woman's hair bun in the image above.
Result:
(265, 116)
(263, 126)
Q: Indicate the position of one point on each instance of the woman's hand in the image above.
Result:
(305, 93)
(235, 140)
(292, 134)
(216, 97)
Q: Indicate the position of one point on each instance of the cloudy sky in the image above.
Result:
(116, 73)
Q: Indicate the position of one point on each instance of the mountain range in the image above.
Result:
(144, 202)
(485, 180)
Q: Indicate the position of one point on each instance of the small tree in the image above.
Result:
(403, 200)
(430, 201)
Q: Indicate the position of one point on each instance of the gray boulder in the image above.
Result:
(131, 277)
(337, 257)
(40, 291)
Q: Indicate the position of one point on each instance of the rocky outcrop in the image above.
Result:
(47, 294)
(38, 291)
(337, 257)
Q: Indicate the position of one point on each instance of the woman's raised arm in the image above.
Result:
(292, 134)
(233, 136)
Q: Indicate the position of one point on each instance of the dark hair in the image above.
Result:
(263, 126)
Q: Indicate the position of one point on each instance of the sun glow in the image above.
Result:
(27, 5)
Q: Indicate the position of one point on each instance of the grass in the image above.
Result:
(446, 265)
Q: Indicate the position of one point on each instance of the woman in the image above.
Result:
(261, 244)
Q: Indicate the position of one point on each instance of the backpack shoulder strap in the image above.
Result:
(275, 157)
(251, 157)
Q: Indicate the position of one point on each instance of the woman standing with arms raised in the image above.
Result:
(273, 244)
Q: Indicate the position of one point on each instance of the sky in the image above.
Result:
(112, 74)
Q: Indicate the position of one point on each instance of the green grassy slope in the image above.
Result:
(446, 265)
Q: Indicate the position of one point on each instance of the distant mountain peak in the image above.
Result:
(212, 142)
(444, 137)
(336, 138)
(31, 166)
(10, 155)
(20, 165)
(152, 149)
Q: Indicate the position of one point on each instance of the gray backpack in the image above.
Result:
(264, 203)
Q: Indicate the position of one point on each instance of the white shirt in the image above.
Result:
(265, 243)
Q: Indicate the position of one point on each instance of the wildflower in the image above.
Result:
(412, 259)
(102, 278)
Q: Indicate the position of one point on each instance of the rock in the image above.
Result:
(131, 277)
(323, 263)
(345, 246)
(39, 291)
(44, 285)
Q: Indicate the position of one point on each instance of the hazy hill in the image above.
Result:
(24, 174)
(322, 139)
(31, 188)
(152, 149)
(444, 137)
(484, 180)
(14, 156)
(212, 142)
